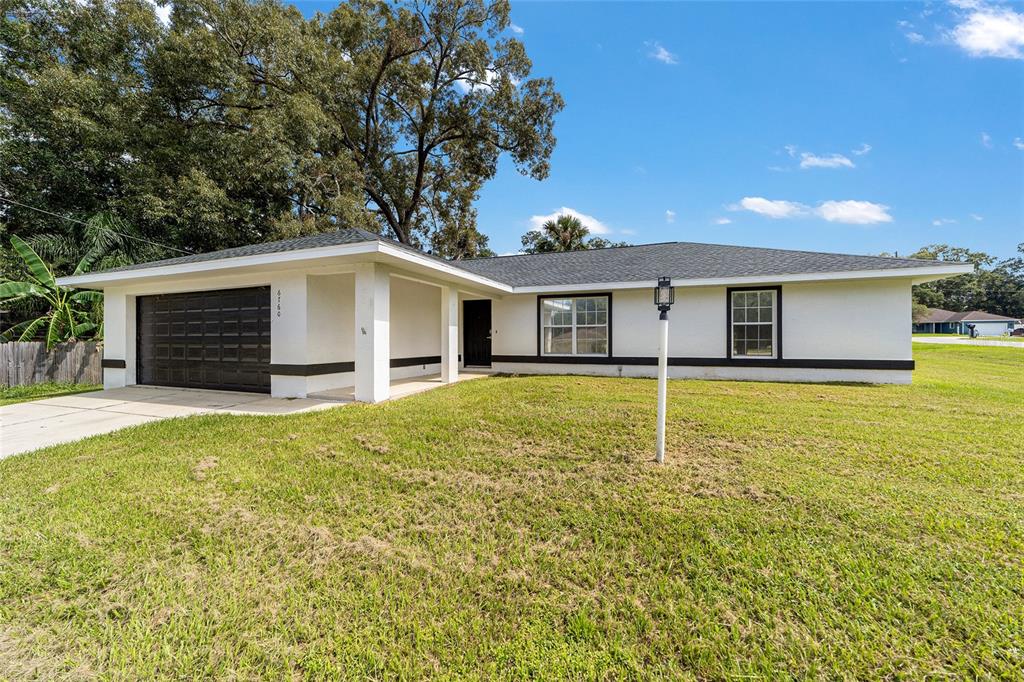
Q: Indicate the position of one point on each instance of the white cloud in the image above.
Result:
(854, 212)
(862, 150)
(977, 217)
(914, 37)
(791, 150)
(986, 140)
(515, 28)
(987, 31)
(590, 222)
(809, 160)
(658, 51)
(1018, 143)
(772, 208)
(849, 211)
(938, 222)
(722, 221)
(670, 216)
(163, 12)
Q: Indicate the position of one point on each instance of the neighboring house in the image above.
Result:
(349, 308)
(939, 321)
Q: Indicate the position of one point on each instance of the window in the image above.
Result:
(753, 323)
(574, 326)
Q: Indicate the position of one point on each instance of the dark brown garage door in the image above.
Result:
(206, 339)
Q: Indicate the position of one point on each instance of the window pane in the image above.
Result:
(765, 298)
(766, 314)
(558, 340)
(591, 340)
(587, 316)
(556, 311)
(739, 315)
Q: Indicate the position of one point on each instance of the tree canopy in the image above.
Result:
(564, 233)
(994, 286)
(242, 120)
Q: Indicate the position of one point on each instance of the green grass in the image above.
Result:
(516, 527)
(20, 394)
(1016, 339)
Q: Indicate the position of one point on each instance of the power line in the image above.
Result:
(80, 222)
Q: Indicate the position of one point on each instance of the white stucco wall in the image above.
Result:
(849, 320)
(415, 319)
(864, 320)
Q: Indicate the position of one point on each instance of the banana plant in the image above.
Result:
(69, 312)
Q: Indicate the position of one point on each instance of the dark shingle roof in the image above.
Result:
(938, 315)
(679, 260)
(646, 262)
(312, 241)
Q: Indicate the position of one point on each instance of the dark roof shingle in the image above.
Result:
(646, 262)
(678, 260)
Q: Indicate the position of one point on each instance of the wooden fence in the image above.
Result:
(75, 362)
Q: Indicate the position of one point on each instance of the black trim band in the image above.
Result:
(708, 362)
(312, 370)
(338, 367)
(111, 363)
(410, 362)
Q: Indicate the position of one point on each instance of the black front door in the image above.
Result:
(476, 334)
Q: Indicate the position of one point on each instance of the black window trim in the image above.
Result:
(581, 294)
(777, 323)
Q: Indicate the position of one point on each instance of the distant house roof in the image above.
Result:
(938, 316)
(642, 263)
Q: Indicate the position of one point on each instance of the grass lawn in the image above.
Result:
(21, 394)
(1017, 339)
(515, 527)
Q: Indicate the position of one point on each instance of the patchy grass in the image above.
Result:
(1002, 337)
(21, 394)
(516, 527)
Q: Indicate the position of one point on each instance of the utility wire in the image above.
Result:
(80, 222)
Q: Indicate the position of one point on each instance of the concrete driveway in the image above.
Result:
(40, 423)
(970, 342)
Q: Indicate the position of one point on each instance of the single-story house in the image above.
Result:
(939, 321)
(352, 309)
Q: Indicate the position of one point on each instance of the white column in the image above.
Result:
(115, 332)
(289, 325)
(372, 333)
(662, 384)
(449, 335)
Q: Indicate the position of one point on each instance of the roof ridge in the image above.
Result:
(548, 253)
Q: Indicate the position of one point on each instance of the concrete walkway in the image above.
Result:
(41, 423)
(970, 342)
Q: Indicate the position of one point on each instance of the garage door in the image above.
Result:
(206, 339)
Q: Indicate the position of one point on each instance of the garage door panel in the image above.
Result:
(214, 339)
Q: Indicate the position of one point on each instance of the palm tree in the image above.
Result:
(69, 313)
(564, 233)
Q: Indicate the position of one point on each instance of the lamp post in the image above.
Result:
(664, 297)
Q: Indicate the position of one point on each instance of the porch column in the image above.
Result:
(289, 335)
(372, 333)
(449, 335)
(119, 339)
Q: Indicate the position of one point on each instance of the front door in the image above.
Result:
(476, 334)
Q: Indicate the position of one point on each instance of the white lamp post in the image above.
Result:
(664, 297)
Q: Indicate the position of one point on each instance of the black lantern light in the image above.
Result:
(664, 296)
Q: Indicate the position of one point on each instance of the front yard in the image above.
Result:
(514, 527)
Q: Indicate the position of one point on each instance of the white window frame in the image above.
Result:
(774, 324)
(572, 312)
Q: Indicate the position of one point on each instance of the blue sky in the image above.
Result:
(853, 127)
